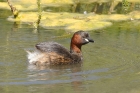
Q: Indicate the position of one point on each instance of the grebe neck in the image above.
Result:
(75, 48)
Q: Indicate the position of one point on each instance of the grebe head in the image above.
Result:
(79, 38)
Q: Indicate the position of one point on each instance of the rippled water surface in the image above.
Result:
(111, 64)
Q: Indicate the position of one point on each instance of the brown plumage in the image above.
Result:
(52, 53)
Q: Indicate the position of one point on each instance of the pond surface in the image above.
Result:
(111, 64)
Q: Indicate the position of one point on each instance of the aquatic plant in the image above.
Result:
(13, 9)
(39, 13)
(125, 6)
(87, 13)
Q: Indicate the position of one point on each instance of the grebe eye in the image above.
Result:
(86, 35)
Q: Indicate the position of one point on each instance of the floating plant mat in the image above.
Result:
(69, 21)
(73, 21)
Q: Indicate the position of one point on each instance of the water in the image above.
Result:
(111, 64)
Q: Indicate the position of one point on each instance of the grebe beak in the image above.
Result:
(91, 40)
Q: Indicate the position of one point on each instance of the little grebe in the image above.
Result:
(52, 53)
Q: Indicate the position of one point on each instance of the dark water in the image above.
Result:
(111, 64)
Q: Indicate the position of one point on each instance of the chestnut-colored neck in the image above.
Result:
(75, 48)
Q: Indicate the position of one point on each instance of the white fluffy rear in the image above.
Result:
(34, 56)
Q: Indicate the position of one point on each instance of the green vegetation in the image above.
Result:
(86, 17)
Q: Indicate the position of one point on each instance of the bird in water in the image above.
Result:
(53, 53)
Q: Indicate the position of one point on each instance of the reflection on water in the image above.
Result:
(60, 75)
(111, 64)
(74, 74)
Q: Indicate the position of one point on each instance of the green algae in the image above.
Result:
(73, 21)
(28, 5)
(4, 5)
(90, 25)
(68, 21)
